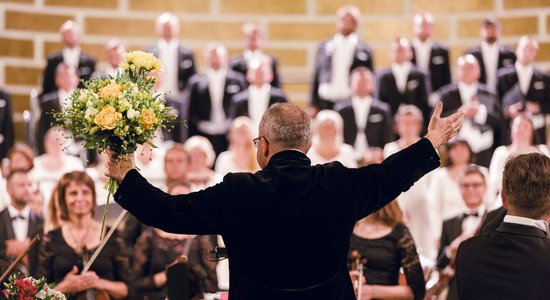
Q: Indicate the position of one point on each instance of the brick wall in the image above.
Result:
(29, 30)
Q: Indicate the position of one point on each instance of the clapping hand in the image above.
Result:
(441, 130)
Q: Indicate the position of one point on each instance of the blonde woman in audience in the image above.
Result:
(414, 203)
(328, 141)
(50, 166)
(522, 135)
(20, 157)
(202, 159)
(241, 155)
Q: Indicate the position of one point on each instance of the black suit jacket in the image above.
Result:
(179, 132)
(452, 228)
(274, 221)
(238, 64)
(379, 129)
(86, 67)
(186, 64)
(509, 263)
(48, 103)
(7, 132)
(493, 220)
(363, 56)
(539, 88)
(240, 101)
(416, 92)
(440, 69)
(6, 233)
(200, 104)
(506, 57)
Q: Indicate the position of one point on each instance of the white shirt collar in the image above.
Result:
(540, 224)
(25, 212)
(467, 91)
(401, 68)
(418, 43)
(350, 38)
(163, 44)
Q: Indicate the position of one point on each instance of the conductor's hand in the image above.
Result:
(441, 130)
(119, 164)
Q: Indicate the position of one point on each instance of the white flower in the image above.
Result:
(41, 295)
(91, 112)
(132, 113)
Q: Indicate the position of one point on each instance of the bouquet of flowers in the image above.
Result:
(30, 289)
(118, 113)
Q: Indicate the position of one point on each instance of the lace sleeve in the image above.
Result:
(143, 281)
(45, 258)
(121, 263)
(411, 264)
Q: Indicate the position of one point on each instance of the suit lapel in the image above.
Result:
(6, 220)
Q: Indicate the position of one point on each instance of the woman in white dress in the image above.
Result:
(522, 133)
(240, 156)
(414, 203)
(328, 141)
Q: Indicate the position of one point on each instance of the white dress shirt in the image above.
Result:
(258, 102)
(343, 52)
(477, 140)
(218, 121)
(20, 225)
(250, 55)
(168, 55)
(490, 54)
(471, 222)
(401, 74)
(525, 73)
(361, 109)
(422, 51)
(71, 57)
(540, 224)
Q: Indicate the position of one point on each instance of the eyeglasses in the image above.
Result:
(256, 140)
(475, 185)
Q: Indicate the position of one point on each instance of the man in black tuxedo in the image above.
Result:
(252, 38)
(7, 132)
(490, 55)
(524, 88)
(429, 56)
(512, 262)
(403, 83)
(273, 221)
(367, 121)
(335, 59)
(482, 111)
(19, 225)
(66, 81)
(260, 95)
(473, 186)
(210, 97)
(71, 55)
(178, 63)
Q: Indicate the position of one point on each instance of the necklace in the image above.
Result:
(80, 245)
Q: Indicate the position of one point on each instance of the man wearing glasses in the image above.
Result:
(286, 227)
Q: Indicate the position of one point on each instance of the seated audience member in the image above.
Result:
(334, 60)
(55, 162)
(414, 202)
(66, 80)
(490, 54)
(113, 57)
(176, 164)
(367, 121)
(202, 159)
(482, 111)
(511, 262)
(241, 155)
(430, 56)
(253, 37)
(524, 88)
(403, 83)
(211, 97)
(328, 141)
(20, 157)
(386, 243)
(7, 131)
(473, 186)
(19, 225)
(522, 136)
(150, 162)
(71, 56)
(156, 249)
(260, 95)
(65, 250)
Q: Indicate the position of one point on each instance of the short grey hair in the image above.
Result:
(286, 124)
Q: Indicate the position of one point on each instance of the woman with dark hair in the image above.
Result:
(388, 246)
(66, 249)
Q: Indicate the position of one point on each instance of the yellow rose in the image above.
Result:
(110, 91)
(148, 118)
(106, 119)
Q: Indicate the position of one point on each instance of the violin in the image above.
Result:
(98, 294)
(357, 264)
(18, 259)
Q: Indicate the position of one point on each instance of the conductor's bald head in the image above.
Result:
(283, 126)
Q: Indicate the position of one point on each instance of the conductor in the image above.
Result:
(287, 227)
